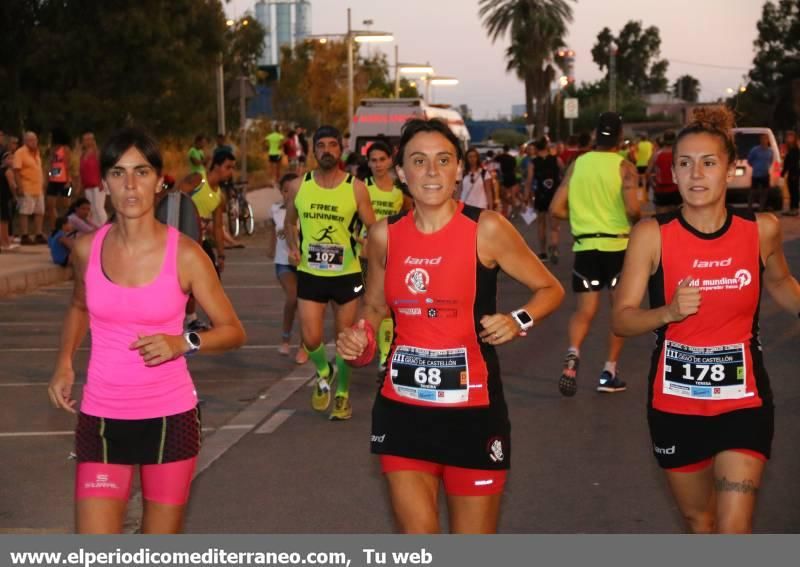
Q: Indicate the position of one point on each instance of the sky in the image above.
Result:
(711, 40)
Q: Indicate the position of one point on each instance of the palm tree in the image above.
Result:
(537, 29)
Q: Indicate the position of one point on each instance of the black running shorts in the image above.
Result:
(473, 438)
(55, 189)
(681, 440)
(542, 199)
(593, 270)
(138, 441)
(322, 289)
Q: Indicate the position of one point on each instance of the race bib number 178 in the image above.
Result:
(710, 372)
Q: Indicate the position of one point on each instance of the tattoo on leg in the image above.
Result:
(745, 486)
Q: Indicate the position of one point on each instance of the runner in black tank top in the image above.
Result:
(709, 398)
(443, 374)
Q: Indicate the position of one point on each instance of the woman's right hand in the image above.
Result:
(352, 341)
(685, 301)
(60, 389)
(294, 257)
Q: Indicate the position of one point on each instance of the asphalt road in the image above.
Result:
(271, 465)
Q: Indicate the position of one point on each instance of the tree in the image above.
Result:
(408, 89)
(537, 29)
(636, 53)
(313, 85)
(686, 88)
(147, 62)
(776, 66)
(244, 44)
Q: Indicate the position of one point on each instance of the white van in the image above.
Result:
(745, 140)
(383, 118)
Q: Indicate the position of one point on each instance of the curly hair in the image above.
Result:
(715, 120)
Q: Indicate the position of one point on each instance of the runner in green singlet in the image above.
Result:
(329, 204)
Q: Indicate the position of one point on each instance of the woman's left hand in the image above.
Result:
(498, 329)
(158, 349)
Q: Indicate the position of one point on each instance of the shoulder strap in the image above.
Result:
(173, 209)
(471, 212)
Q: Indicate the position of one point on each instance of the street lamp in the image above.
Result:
(437, 80)
(221, 86)
(407, 69)
(360, 37)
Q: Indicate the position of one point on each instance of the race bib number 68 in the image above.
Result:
(436, 376)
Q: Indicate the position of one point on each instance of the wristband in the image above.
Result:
(369, 351)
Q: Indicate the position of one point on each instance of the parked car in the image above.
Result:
(738, 188)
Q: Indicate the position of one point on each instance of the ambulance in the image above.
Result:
(383, 118)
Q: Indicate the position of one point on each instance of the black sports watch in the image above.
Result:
(193, 341)
(523, 319)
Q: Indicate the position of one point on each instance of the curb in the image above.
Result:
(26, 281)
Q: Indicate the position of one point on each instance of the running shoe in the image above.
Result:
(40, 239)
(283, 350)
(568, 384)
(321, 396)
(342, 410)
(610, 384)
(552, 254)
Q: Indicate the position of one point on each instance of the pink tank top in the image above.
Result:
(119, 385)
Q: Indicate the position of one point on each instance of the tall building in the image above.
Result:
(288, 22)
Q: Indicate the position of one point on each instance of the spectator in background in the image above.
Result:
(570, 150)
(78, 217)
(644, 151)
(760, 159)
(12, 144)
(7, 186)
(302, 142)
(197, 156)
(477, 185)
(90, 179)
(274, 141)
(30, 189)
(3, 142)
(222, 145)
(290, 149)
(59, 185)
(791, 170)
(285, 271)
(665, 190)
(584, 145)
(61, 241)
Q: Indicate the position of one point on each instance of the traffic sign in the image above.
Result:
(570, 108)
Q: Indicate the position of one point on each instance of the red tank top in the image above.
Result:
(663, 172)
(432, 290)
(711, 362)
(58, 165)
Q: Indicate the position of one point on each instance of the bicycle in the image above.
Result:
(240, 211)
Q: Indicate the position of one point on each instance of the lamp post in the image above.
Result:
(407, 69)
(437, 80)
(359, 37)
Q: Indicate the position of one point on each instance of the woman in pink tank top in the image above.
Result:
(139, 405)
